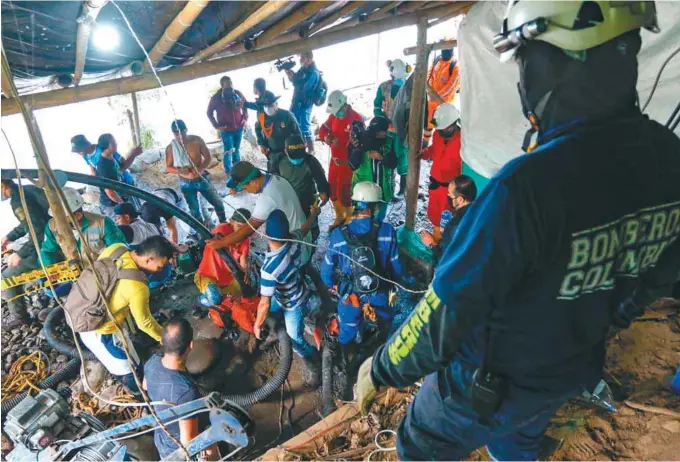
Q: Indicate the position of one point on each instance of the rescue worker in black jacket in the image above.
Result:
(26, 257)
(576, 236)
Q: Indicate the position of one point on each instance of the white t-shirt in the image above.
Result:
(278, 193)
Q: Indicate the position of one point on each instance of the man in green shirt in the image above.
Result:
(99, 231)
(26, 257)
(272, 128)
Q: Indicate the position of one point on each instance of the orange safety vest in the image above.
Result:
(444, 78)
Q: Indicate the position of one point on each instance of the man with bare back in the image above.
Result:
(188, 157)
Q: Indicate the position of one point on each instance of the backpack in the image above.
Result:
(320, 92)
(361, 250)
(84, 304)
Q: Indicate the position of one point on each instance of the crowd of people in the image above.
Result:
(489, 333)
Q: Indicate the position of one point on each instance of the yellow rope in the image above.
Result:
(83, 402)
(18, 379)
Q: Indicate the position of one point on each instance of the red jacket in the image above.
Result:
(341, 129)
(445, 155)
(229, 114)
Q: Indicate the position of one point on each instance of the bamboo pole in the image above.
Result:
(415, 125)
(455, 11)
(86, 20)
(254, 19)
(6, 85)
(131, 120)
(64, 234)
(289, 21)
(342, 12)
(432, 46)
(184, 73)
(135, 113)
(174, 31)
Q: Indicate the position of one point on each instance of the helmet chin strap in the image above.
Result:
(532, 115)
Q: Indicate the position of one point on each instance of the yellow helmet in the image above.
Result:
(571, 25)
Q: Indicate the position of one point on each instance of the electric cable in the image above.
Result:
(380, 447)
(658, 77)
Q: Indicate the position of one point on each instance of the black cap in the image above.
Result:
(295, 146)
(269, 98)
(126, 208)
(241, 215)
(378, 124)
(178, 126)
(79, 143)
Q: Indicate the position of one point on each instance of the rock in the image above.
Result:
(16, 331)
(202, 356)
(142, 447)
(673, 426)
(62, 358)
(27, 366)
(96, 373)
(35, 329)
(15, 337)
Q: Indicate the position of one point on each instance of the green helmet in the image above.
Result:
(571, 25)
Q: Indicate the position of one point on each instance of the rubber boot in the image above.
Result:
(339, 216)
(402, 189)
(313, 365)
(309, 142)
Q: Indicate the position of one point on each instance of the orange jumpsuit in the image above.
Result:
(444, 79)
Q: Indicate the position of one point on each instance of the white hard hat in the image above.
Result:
(445, 115)
(367, 191)
(572, 25)
(336, 100)
(73, 199)
(398, 69)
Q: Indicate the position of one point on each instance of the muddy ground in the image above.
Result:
(639, 359)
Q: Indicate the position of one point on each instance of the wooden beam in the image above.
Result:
(455, 11)
(342, 12)
(415, 125)
(289, 21)
(174, 31)
(254, 19)
(181, 74)
(441, 45)
(135, 113)
(86, 21)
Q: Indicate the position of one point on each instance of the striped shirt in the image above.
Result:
(281, 275)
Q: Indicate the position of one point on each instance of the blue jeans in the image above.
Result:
(440, 423)
(190, 190)
(351, 317)
(232, 148)
(295, 326)
(303, 115)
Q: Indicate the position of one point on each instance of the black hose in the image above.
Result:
(129, 190)
(69, 370)
(66, 348)
(275, 382)
(327, 400)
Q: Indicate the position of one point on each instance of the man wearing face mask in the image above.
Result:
(382, 106)
(373, 159)
(444, 79)
(446, 162)
(26, 257)
(228, 105)
(274, 125)
(99, 231)
(335, 132)
(551, 254)
(305, 82)
(307, 176)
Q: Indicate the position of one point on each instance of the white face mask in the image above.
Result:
(270, 110)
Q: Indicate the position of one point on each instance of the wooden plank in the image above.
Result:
(415, 125)
(135, 113)
(342, 12)
(288, 22)
(184, 73)
(432, 46)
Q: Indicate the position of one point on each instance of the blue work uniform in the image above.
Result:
(538, 270)
(305, 81)
(387, 256)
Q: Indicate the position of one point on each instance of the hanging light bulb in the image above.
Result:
(106, 37)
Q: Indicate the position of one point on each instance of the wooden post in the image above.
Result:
(46, 176)
(135, 111)
(415, 124)
(131, 120)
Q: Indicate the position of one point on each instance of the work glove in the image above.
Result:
(365, 391)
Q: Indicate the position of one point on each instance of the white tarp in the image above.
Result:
(493, 125)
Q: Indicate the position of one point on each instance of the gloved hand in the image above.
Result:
(365, 391)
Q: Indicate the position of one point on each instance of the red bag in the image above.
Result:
(242, 310)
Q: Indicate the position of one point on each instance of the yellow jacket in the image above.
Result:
(130, 297)
(443, 79)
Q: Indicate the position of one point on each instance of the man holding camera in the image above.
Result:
(274, 125)
(305, 81)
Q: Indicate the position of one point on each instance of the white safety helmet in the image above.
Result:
(571, 25)
(336, 100)
(445, 115)
(367, 191)
(398, 69)
(73, 199)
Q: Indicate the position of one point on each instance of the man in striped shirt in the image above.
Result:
(282, 286)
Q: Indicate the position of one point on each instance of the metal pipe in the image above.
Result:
(85, 22)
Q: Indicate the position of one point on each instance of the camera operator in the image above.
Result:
(373, 159)
(274, 125)
(305, 81)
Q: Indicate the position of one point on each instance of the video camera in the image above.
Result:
(285, 64)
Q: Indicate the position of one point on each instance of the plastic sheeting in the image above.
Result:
(493, 126)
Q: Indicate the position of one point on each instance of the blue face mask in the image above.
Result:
(399, 82)
(297, 161)
(340, 114)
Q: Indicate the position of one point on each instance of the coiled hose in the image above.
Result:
(275, 382)
(327, 380)
(66, 348)
(70, 370)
